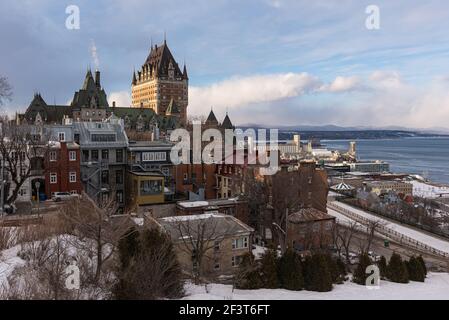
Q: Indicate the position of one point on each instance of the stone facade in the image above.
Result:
(160, 85)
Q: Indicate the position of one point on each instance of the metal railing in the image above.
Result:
(392, 234)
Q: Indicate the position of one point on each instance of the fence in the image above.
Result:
(390, 233)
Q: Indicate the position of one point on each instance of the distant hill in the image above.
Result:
(333, 132)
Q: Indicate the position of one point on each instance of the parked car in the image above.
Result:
(9, 208)
(63, 196)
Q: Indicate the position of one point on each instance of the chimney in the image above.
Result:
(113, 104)
(97, 78)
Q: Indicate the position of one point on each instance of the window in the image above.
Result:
(150, 187)
(53, 178)
(216, 266)
(185, 176)
(61, 136)
(240, 243)
(73, 192)
(119, 196)
(236, 260)
(119, 155)
(105, 154)
(72, 177)
(53, 156)
(94, 155)
(154, 156)
(119, 177)
(72, 155)
(85, 155)
(105, 177)
(217, 245)
(103, 137)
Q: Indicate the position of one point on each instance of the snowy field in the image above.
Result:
(436, 287)
(426, 190)
(412, 233)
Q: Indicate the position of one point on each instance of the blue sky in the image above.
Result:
(267, 61)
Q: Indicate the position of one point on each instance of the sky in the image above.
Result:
(273, 62)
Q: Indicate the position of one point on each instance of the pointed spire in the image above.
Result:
(212, 119)
(227, 124)
(184, 72)
(134, 81)
(165, 37)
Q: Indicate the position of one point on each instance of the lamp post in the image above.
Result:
(37, 184)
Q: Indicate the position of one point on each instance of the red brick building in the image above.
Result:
(62, 168)
(193, 177)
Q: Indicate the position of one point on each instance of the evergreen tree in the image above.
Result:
(150, 269)
(415, 270)
(128, 246)
(290, 271)
(317, 276)
(341, 270)
(268, 269)
(360, 274)
(382, 264)
(423, 265)
(248, 275)
(397, 270)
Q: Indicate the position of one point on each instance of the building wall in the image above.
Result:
(222, 257)
(310, 235)
(156, 94)
(191, 177)
(135, 197)
(62, 167)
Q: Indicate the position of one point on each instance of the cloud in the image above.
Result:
(121, 98)
(242, 91)
(342, 84)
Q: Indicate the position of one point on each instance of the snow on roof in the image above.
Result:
(342, 187)
(193, 217)
(193, 204)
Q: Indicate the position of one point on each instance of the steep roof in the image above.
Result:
(49, 113)
(227, 124)
(211, 119)
(172, 108)
(160, 58)
(89, 93)
(309, 215)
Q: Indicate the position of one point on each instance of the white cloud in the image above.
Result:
(242, 91)
(121, 98)
(342, 84)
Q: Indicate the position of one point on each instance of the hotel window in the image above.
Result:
(119, 177)
(72, 177)
(52, 155)
(94, 155)
(53, 178)
(119, 196)
(240, 243)
(72, 155)
(119, 155)
(154, 156)
(150, 187)
(105, 154)
(61, 136)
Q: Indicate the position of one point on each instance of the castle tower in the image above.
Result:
(160, 82)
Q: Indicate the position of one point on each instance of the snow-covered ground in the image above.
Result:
(436, 287)
(425, 238)
(427, 190)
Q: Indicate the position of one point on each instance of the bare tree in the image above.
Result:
(21, 151)
(5, 90)
(371, 227)
(198, 238)
(344, 237)
(97, 229)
